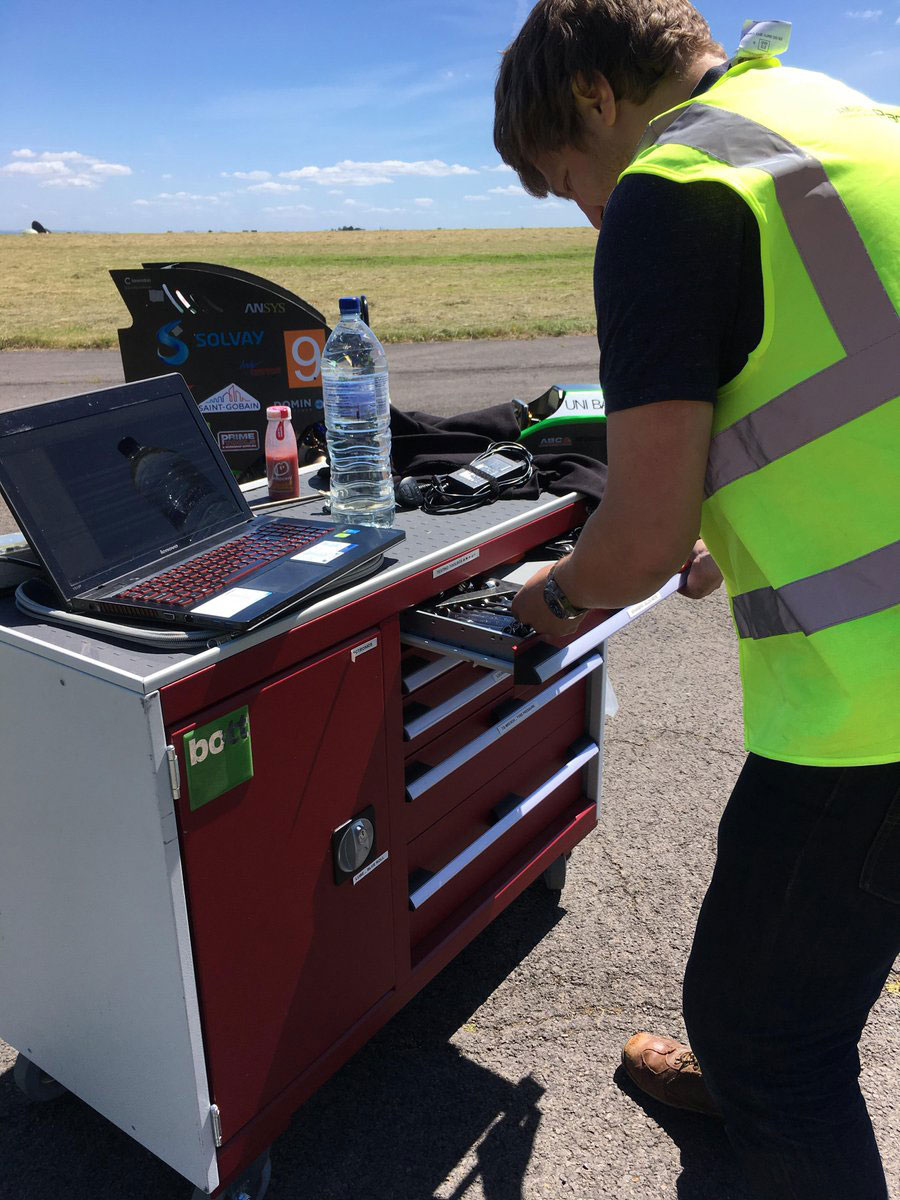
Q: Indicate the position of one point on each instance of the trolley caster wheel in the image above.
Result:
(555, 875)
(252, 1184)
(34, 1083)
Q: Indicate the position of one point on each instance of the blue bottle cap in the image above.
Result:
(349, 304)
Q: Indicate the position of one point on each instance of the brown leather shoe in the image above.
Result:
(668, 1071)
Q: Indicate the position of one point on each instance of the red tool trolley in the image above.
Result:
(226, 868)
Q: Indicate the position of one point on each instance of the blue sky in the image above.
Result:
(136, 116)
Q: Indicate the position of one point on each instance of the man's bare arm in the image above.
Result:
(648, 522)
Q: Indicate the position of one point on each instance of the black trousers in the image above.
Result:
(795, 939)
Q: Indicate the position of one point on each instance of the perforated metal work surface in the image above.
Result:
(429, 539)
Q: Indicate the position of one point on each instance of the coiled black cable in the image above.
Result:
(439, 495)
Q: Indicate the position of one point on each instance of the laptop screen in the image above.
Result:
(107, 490)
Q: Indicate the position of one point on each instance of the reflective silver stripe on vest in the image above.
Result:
(842, 392)
(855, 589)
(833, 253)
(840, 269)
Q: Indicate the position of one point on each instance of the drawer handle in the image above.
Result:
(427, 780)
(457, 652)
(441, 878)
(433, 716)
(541, 663)
(427, 674)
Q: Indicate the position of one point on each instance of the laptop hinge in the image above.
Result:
(174, 772)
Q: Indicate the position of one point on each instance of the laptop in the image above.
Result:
(128, 502)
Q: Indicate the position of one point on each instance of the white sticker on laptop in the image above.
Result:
(230, 603)
(323, 552)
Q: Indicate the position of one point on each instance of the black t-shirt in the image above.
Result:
(677, 288)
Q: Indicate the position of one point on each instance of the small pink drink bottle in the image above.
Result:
(282, 465)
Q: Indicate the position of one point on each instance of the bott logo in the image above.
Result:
(232, 733)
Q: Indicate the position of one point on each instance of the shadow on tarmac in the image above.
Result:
(411, 1111)
(408, 1115)
(709, 1169)
(394, 1124)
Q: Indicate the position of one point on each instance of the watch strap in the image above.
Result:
(557, 600)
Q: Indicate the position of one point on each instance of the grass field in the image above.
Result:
(422, 286)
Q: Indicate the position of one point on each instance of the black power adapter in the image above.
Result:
(502, 466)
(493, 467)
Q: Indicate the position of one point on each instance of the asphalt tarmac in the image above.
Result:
(500, 1081)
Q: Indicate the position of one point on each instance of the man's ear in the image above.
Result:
(595, 95)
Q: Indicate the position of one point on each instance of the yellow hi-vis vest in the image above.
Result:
(802, 508)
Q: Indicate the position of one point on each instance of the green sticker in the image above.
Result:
(218, 757)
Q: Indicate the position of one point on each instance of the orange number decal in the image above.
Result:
(303, 351)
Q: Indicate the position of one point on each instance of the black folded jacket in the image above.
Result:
(423, 445)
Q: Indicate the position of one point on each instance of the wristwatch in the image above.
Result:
(558, 602)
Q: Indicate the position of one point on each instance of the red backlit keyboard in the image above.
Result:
(193, 581)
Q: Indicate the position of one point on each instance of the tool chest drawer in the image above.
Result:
(463, 850)
(457, 763)
(474, 622)
(418, 668)
(449, 698)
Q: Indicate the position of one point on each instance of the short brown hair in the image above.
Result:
(634, 43)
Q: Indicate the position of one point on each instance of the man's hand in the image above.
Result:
(530, 608)
(703, 575)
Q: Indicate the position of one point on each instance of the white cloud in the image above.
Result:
(35, 168)
(287, 208)
(63, 168)
(369, 208)
(864, 14)
(364, 174)
(271, 186)
(178, 198)
(187, 196)
(423, 201)
(478, 199)
(75, 181)
(500, 167)
(511, 189)
(166, 176)
(246, 175)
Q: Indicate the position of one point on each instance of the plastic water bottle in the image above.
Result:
(173, 486)
(357, 421)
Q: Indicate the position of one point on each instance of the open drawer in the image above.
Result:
(529, 658)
